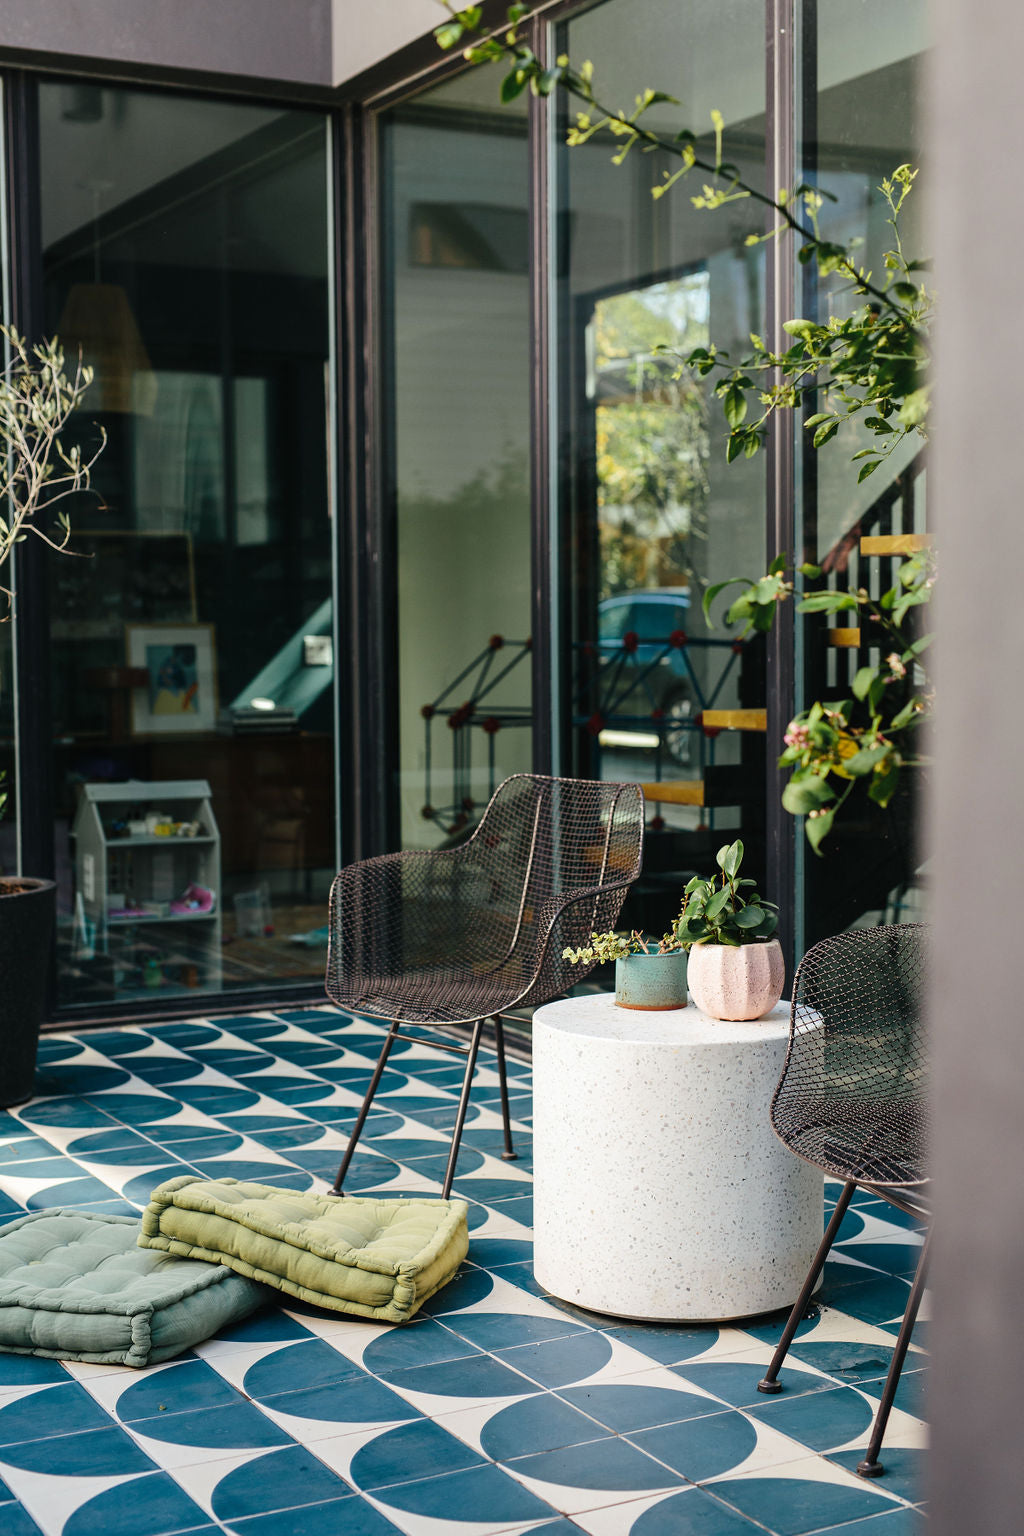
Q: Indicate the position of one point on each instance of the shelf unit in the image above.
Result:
(125, 881)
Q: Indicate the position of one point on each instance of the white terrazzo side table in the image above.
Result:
(660, 1190)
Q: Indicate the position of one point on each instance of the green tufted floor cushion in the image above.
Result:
(375, 1258)
(76, 1286)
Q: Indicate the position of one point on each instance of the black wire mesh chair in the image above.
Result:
(464, 934)
(852, 1099)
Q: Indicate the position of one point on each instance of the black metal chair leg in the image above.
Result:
(510, 1154)
(357, 1129)
(770, 1383)
(871, 1466)
(460, 1118)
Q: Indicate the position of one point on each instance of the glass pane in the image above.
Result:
(456, 244)
(866, 121)
(186, 252)
(655, 513)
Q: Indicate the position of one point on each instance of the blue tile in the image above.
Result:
(502, 1332)
(480, 1493)
(541, 1423)
(267, 1326)
(29, 1370)
(625, 1408)
(895, 1522)
(736, 1383)
(412, 1451)
(109, 1452)
(280, 1480)
(493, 1252)
(66, 1405)
(309, 1363)
(79, 1078)
(600, 1465)
(667, 1345)
(238, 1426)
(22, 1150)
(904, 1469)
(880, 1300)
(154, 1505)
(338, 1517)
(852, 1361)
(561, 1360)
(693, 1512)
(65, 1112)
(17, 1521)
(702, 1447)
(819, 1420)
(794, 1506)
(469, 1287)
(478, 1376)
(892, 1258)
(421, 1342)
(173, 1389)
(362, 1401)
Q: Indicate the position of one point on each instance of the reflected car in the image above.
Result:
(652, 616)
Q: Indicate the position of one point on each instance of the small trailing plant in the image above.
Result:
(605, 947)
(871, 737)
(870, 365)
(725, 909)
(37, 471)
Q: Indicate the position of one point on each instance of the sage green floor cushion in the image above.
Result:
(76, 1286)
(374, 1258)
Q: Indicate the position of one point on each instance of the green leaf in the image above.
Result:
(734, 404)
(865, 760)
(513, 85)
(883, 784)
(909, 712)
(720, 586)
(862, 682)
(816, 420)
(731, 857)
(448, 33)
(823, 433)
(719, 900)
(750, 917)
(826, 602)
(812, 572)
(806, 794)
(868, 469)
(817, 829)
(798, 327)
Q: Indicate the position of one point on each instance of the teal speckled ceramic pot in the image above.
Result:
(651, 980)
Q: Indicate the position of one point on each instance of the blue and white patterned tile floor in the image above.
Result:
(498, 1409)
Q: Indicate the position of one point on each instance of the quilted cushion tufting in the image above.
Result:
(75, 1285)
(375, 1258)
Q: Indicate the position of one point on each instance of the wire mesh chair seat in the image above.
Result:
(852, 1101)
(860, 1143)
(461, 935)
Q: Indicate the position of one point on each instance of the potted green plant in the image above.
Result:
(37, 475)
(647, 976)
(736, 969)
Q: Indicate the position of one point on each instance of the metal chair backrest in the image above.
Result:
(852, 1095)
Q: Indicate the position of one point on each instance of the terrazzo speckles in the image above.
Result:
(498, 1409)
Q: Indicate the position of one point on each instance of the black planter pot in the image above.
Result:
(27, 920)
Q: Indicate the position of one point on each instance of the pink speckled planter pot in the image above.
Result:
(735, 984)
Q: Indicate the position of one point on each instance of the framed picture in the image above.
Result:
(181, 694)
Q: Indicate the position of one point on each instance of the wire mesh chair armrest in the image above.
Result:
(566, 921)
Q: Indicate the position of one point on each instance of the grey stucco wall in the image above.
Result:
(318, 43)
(977, 825)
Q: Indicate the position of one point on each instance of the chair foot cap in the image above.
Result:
(770, 1387)
(510, 1157)
(869, 1469)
